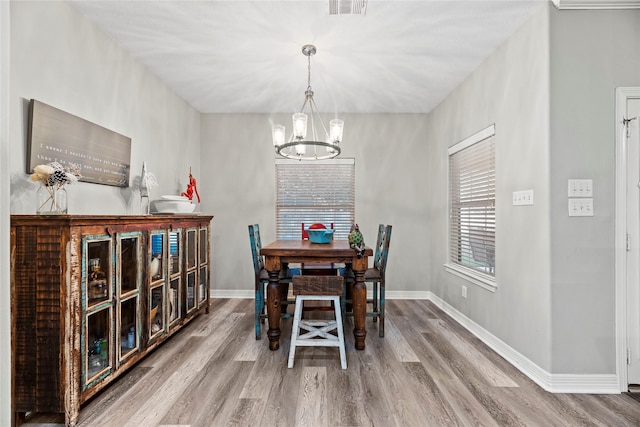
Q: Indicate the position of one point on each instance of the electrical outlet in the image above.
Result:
(464, 291)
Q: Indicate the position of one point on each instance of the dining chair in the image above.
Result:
(262, 280)
(376, 275)
(317, 333)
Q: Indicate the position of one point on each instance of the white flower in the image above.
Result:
(53, 174)
(71, 178)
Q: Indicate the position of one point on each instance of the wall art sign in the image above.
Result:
(54, 135)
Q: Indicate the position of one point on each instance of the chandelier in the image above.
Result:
(300, 147)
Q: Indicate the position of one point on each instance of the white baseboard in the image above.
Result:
(554, 383)
(231, 293)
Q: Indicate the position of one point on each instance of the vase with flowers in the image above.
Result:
(52, 194)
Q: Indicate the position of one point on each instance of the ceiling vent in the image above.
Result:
(347, 7)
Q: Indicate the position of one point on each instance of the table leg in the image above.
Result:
(273, 309)
(359, 309)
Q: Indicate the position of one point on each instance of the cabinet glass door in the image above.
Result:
(202, 286)
(158, 269)
(157, 256)
(97, 268)
(156, 313)
(191, 291)
(175, 276)
(97, 345)
(203, 276)
(96, 339)
(204, 242)
(192, 268)
(129, 293)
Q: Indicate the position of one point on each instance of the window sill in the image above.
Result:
(483, 280)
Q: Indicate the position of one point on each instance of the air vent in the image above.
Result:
(347, 7)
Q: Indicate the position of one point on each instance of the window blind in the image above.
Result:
(319, 191)
(472, 222)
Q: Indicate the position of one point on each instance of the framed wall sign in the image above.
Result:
(54, 135)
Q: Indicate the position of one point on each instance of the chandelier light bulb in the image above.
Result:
(278, 132)
(336, 126)
(300, 125)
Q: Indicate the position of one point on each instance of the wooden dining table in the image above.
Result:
(280, 253)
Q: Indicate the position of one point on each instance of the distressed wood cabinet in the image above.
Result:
(92, 295)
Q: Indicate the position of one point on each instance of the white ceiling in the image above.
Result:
(245, 56)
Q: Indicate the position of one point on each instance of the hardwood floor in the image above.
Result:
(427, 371)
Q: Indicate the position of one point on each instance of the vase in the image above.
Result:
(51, 200)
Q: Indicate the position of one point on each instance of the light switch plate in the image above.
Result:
(581, 207)
(522, 198)
(580, 188)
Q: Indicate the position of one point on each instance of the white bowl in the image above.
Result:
(177, 198)
(174, 206)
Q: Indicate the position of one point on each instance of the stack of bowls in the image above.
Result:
(174, 204)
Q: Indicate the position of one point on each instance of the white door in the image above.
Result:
(632, 136)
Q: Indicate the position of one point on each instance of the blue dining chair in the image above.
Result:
(376, 276)
(262, 280)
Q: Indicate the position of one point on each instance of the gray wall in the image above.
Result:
(61, 59)
(592, 53)
(389, 152)
(5, 311)
(510, 89)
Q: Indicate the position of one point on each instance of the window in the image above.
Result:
(318, 191)
(472, 215)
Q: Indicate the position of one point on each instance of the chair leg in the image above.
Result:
(343, 303)
(258, 311)
(343, 353)
(381, 315)
(295, 330)
(375, 302)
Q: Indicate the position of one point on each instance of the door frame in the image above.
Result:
(623, 94)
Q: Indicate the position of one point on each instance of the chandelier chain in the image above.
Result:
(309, 72)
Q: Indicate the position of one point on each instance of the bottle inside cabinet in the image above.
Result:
(99, 271)
(128, 326)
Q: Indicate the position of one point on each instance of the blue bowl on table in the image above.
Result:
(320, 235)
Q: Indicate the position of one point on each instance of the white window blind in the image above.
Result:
(318, 191)
(472, 223)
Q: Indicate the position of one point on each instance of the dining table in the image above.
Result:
(280, 253)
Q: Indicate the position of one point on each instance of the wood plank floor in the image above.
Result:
(427, 371)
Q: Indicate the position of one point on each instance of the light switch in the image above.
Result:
(522, 198)
(580, 188)
(581, 207)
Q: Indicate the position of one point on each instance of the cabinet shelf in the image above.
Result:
(92, 295)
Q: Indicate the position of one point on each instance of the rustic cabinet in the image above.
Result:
(92, 295)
